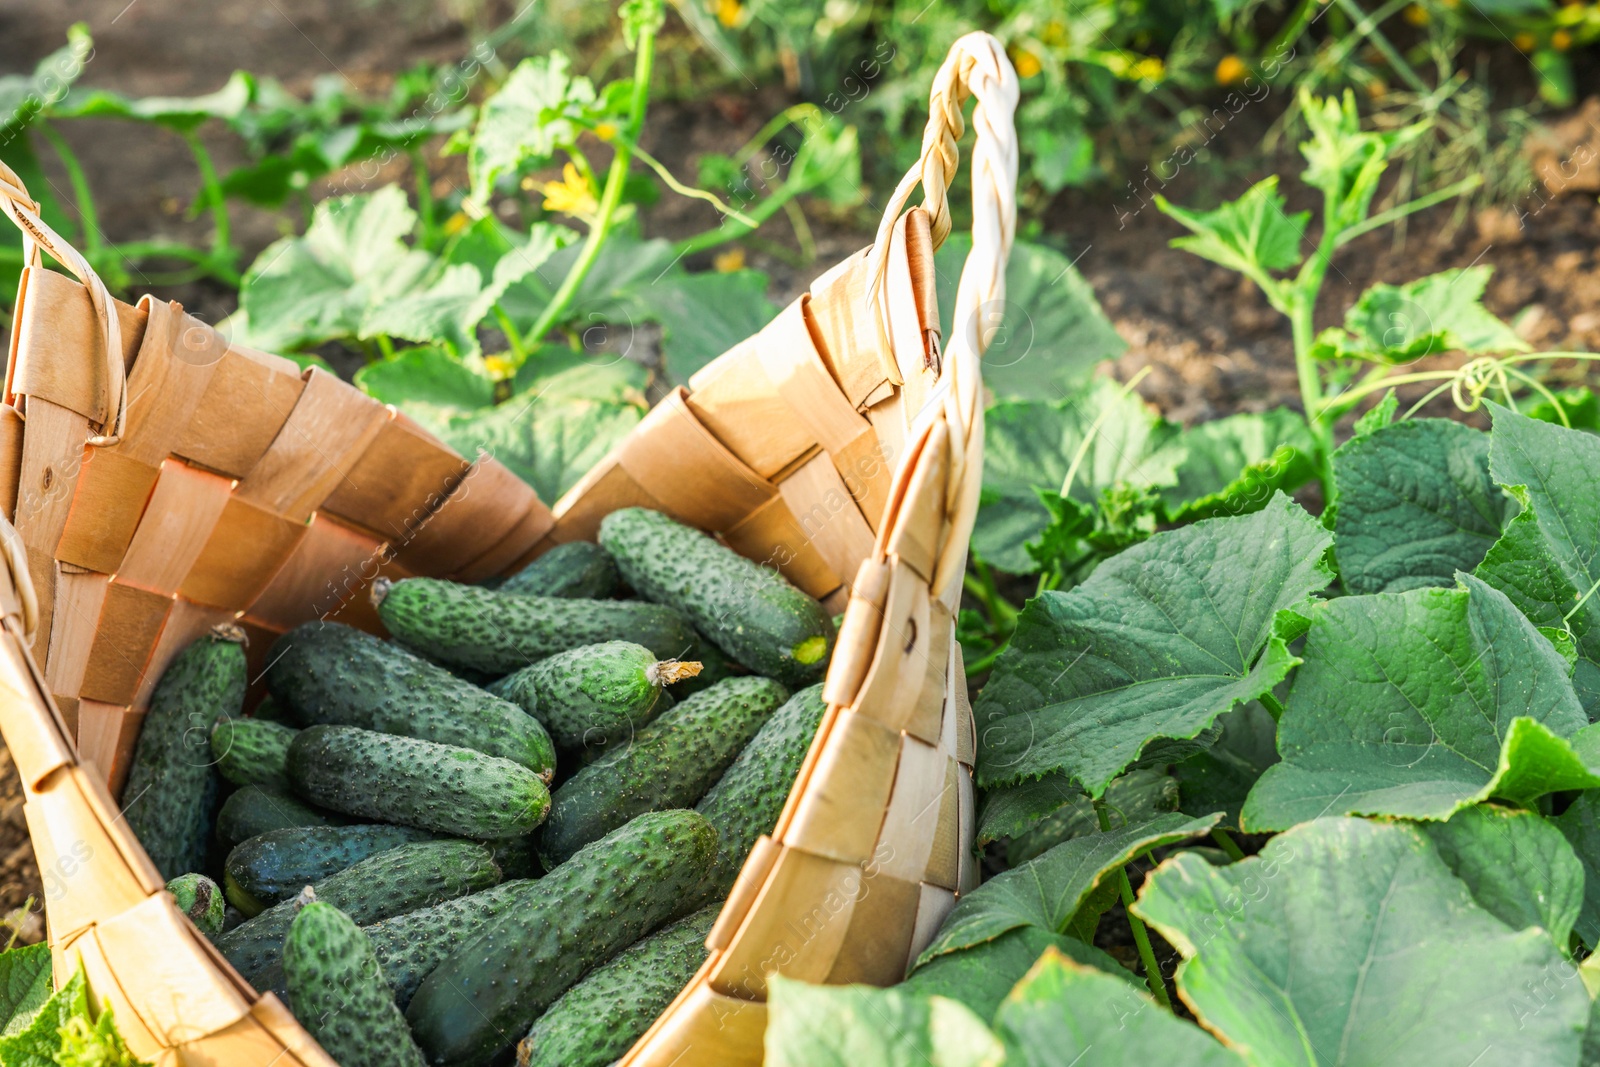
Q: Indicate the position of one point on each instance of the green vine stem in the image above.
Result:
(1141, 936)
(610, 197)
(223, 254)
(1226, 842)
(88, 217)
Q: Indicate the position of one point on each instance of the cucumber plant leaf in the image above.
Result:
(426, 376)
(1440, 313)
(1220, 778)
(1252, 235)
(1029, 446)
(1047, 892)
(1579, 405)
(1062, 1012)
(1052, 330)
(1420, 704)
(1009, 810)
(980, 976)
(23, 96)
(1351, 942)
(702, 315)
(1416, 505)
(1548, 560)
(25, 985)
(1517, 865)
(182, 114)
(1580, 825)
(1130, 801)
(526, 120)
(1233, 465)
(1158, 642)
(1343, 160)
(846, 1026)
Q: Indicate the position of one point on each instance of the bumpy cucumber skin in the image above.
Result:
(592, 695)
(255, 810)
(451, 790)
(199, 898)
(502, 632)
(338, 993)
(170, 800)
(252, 751)
(576, 570)
(749, 611)
(605, 898)
(748, 798)
(340, 676)
(277, 865)
(402, 879)
(600, 1018)
(668, 764)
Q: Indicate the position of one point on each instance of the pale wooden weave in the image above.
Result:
(162, 479)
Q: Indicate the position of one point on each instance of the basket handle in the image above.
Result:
(23, 210)
(977, 67)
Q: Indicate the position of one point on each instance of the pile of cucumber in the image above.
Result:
(512, 825)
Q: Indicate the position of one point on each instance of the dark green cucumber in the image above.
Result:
(749, 611)
(255, 810)
(252, 751)
(453, 790)
(576, 570)
(170, 800)
(605, 898)
(402, 879)
(600, 1018)
(275, 866)
(503, 632)
(343, 677)
(338, 993)
(668, 764)
(596, 694)
(410, 946)
(748, 798)
(270, 710)
(199, 898)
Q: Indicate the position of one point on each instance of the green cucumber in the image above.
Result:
(596, 1021)
(252, 751)
(453, 790)
(668, 764)
(170, 800)
(339, 995)
(575, 570)
(402, 879)
(255, 810)
(502, 632)
(270, 710)
(595, 694)
(340, 676)
(605, 898)
(275, 866)
(748, 798)
(199, 898)
(749, 611)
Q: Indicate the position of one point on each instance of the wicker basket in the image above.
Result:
(161, 480)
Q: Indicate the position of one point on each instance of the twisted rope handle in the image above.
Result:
(36, 236)
(977, 67)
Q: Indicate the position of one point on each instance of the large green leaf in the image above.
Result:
(1350, 942)
(1232, 466)
(850, 1026)
(982, 975)
(1052, 330)
(524, 121)
(1416, 505)
(1580, 824)
(1133, 799)
(1548, 561)
(1443, 312)
(1420, 704)
(25, 975)
(426, 376)
(1157, 643)
(1252, 234)
(1047, 892)
(23, 97)
(1029, 446)
(1517, 865)
(703, 315)
(1063, 1013)
(1220, 778)
(180, 113)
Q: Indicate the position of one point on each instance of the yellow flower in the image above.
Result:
(1417, 15)
(728, 12)
(605, 130)
(572, 195)
(1561, 40)
(729, 261)
(1524, 42)
(1026, 62)
(1054, 33)
(499, 367)
(456, 223)
(1150, 69)
(1231, 71)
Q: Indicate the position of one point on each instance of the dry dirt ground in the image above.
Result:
(1214, 345)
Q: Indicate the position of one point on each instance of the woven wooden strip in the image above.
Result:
(513, 551)
(934, 905)
(58, 350)
(483, 508)
(736, 398)
(827, 516)
(112, 492)
(773, 537)
(846, 793)
(693, 475)
(247, 546)
(606, 488)
(109, 991)
(398, 482)
(80, 596)
(327, 567)
(177, 523)
(107, 735)
(129, 626)
(246, 401)
(705, 1027)
(908, 835)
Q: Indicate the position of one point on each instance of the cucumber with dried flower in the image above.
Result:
(749, 611)
(201, 900)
